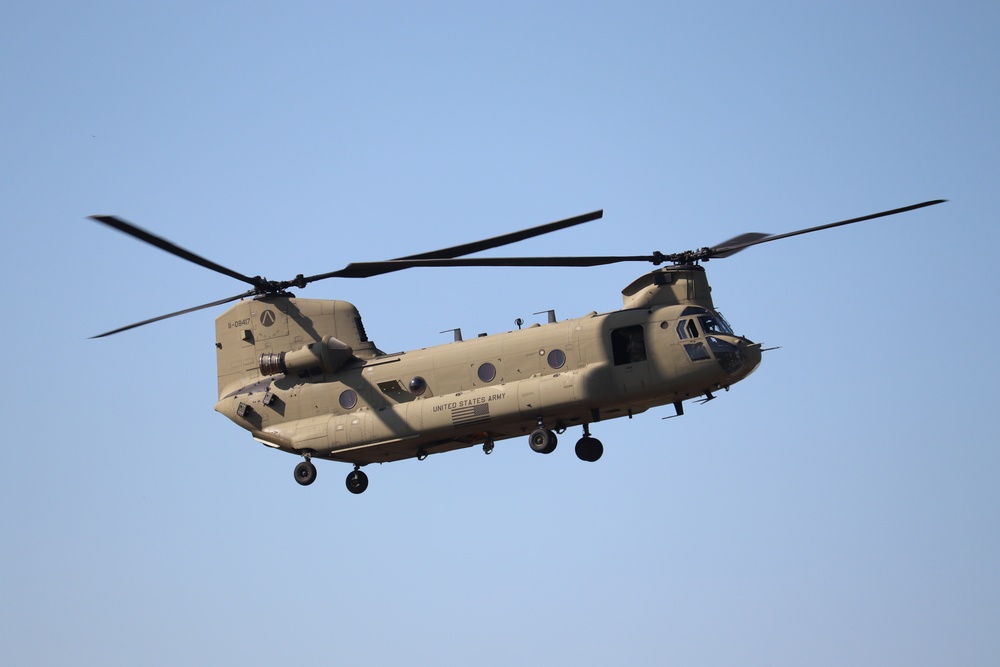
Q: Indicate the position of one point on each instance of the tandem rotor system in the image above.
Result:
(455, 256)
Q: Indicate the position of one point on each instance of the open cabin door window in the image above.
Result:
(628, 345)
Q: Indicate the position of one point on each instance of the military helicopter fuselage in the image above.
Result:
(302, 376)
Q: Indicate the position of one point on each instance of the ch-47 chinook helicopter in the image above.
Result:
(302, 376)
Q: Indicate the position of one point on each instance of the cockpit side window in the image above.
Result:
(697, 351)
(686, 329)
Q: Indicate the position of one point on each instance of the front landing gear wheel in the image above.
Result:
(305, 473)
(357, 482)
(589, 449)
(542, 441)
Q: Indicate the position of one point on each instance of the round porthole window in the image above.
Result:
(418, 385)
(487, 372)
(557, 358)
(348, 399)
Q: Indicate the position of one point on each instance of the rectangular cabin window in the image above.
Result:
(628, 345)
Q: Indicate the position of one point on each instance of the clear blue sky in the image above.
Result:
(838, 507)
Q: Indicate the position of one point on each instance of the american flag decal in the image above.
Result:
(471, 414)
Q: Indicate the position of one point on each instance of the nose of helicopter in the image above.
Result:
(737, 356)
(751, 353)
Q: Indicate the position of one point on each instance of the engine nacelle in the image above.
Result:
(313, 359)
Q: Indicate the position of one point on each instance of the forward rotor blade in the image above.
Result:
(737, 243)
(173, 249)
(179, 312)
(728, 247)
(369, 269)
(506, 239)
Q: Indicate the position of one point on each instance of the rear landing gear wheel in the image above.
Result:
(305, 473)
(357, 482)
(543, 441)
(589, 449)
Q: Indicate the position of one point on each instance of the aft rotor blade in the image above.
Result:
(725, 250)
(179, 312)
(369, 269)
(173, 249)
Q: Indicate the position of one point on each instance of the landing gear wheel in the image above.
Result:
(543, 441)
(357, 482)
(305, 473)
(589, 449)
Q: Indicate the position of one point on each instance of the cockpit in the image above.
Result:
(700, 328)
(711, 323)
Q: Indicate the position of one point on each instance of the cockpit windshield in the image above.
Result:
(711, 324)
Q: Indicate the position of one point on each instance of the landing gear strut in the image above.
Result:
(305, 473)
(357, 481)
(587, 448)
